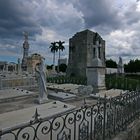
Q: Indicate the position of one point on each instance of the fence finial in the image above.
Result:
(36, 115)
(85, 101)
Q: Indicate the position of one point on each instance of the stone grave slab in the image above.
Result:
(71, 88)
(14, 118)
(14, 93)
(62, 96)
(112, 93)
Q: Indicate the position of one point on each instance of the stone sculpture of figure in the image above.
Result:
(41, 76)
(120, 60)
(120, 66)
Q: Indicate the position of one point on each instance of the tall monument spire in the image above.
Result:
(25, 51)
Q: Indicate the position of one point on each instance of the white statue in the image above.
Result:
(41, 76)
(120, 66)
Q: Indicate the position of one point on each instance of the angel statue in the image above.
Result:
(41, 77)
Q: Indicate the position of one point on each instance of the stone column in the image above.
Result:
(19, 66)
(6, 67)
(15, 68)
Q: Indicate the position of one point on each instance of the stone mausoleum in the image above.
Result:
(82, 49)
(87, 58)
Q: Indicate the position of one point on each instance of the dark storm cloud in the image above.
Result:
(60, 16)
(99, 13)
(52, 20)
(16, 17)
(132, 15)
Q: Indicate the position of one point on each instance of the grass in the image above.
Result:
(122, 82)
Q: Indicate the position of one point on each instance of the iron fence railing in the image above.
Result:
(101, 121)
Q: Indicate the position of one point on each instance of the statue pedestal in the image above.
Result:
(96, 78)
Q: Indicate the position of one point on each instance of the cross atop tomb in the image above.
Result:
(96, 50)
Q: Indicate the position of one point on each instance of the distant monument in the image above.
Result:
(82, 52)
(29, 61)
(120, 66)
(32, 61)
(25, 52)
(41, 76)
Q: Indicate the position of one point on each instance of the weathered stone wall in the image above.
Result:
(77, 55)
(132, 133)
(20, 82)
(111, 70)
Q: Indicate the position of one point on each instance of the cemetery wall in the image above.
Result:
(17, 82)
(111, 70)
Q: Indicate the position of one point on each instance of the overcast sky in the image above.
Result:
(117, 21)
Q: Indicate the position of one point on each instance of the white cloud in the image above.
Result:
(117, 22)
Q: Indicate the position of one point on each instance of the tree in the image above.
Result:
(49, 67)
(132, 66)
(54, 48)
(111, 64)
(63, 67)
(60, 48)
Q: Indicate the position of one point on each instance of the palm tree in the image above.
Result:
(54, 48)
(60, 48)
